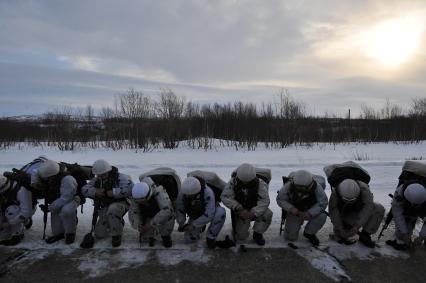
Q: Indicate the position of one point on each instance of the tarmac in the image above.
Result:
(257, 265)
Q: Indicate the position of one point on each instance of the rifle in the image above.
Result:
(89, 240)
(283, 217)
(45, 208)
(388, 220)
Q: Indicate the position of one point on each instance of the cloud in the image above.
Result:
(207, 50)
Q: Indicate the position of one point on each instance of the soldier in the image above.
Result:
(109, 190)
(408, 205)
(247, 197)
(15, 208)
(60, 193)
(151, 212)
(303, 199)
(351, 206)
(197, 200)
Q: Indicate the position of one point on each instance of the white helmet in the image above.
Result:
(415, 193)
(302, 178)
(100, 167)
(48, 169)
(246, 172)
(349, 190)
(191, 186)
(141, 191)
(4, 184)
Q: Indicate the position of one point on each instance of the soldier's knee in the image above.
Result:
(267, 216)
(220, 213)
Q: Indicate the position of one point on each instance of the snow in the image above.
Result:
(382, 161)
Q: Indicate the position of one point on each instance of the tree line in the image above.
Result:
(138, 121)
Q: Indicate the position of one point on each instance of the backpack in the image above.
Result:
(167, 178)
(336, 173)
(413, 171)
(212, 180)
(82, 174)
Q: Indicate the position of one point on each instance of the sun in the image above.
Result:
(393, 42)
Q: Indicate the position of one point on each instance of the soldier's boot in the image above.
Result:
(211, 243)
(312, 238)
(116, 241)
(151, 241)
(396, 245)
(69, 238)
(167, 241)
(16, 239)
(365, 238)
(55, 238)
(258, 238)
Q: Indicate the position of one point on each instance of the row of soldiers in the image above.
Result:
(159, 200)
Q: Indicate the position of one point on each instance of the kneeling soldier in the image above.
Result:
(15, 210)
(198, 202)
(247, 197)
(61, 197)
(151, 212)
(109, 190)
(303, 200)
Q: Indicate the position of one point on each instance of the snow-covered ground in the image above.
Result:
(382, 161)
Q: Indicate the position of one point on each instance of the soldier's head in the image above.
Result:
(141, 192)
(191, 187)
(101, 169)
(246, 175)
(415, 194)
(4, 184)
(348, 190)
(302, 181)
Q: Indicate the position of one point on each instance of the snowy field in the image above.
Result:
(382, 161)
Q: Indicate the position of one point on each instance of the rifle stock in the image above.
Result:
(388, 220)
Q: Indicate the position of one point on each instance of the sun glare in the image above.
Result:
(393, 42)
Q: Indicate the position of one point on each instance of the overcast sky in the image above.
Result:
(333, 54)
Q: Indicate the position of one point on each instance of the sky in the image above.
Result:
(332, 55)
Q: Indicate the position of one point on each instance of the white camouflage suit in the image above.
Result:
(404, 223)
(213, 214)
(263, 215)
(368, 217)
(163, 221)
(110, 221)
(63, 210)
(293, 222)
(16, 214)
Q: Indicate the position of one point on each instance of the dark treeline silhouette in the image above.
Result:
(140, 122)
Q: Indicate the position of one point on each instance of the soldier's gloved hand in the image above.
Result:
(99, 193)
(53, 207)
(418, 241)
(353, 231)
(246, 215)
(110, 194)
(406, 238)
(306, 215)
(294, 211)
(145, 229)
(238, 208)
(181, 228)
(44, 208)
(4, 225)
(188, 227)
